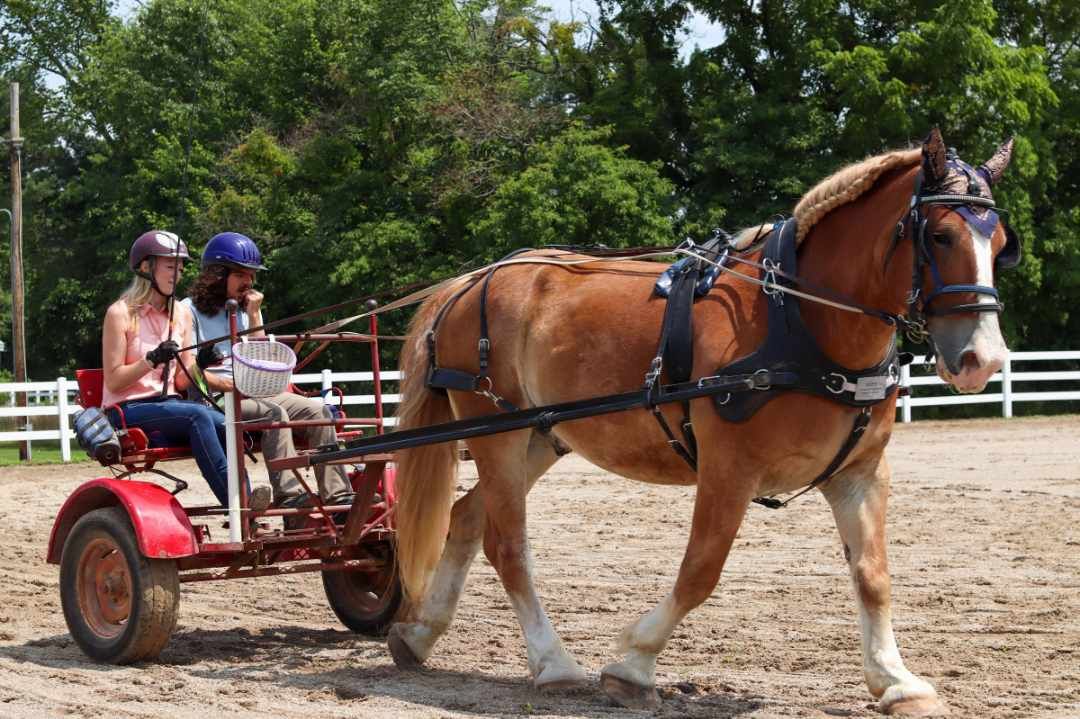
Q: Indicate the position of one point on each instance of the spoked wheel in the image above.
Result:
(120, 607)
(366, 602)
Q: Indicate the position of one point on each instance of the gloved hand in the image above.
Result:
(164, 352)
(208, 356)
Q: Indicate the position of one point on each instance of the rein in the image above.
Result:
(420, 291)
(913, 323)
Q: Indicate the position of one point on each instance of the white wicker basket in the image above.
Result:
(262, 369)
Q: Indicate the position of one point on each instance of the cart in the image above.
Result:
(124, 543)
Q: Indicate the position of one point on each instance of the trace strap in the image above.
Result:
(543, 417)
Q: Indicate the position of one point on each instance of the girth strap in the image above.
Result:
(857, 430)
(442, 379)
(676, 353)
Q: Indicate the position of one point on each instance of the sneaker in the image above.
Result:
(260, 499)
(294, 501)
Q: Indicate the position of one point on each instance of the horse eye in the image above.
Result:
(940, 238)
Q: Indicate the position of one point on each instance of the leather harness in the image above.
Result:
(788, 360)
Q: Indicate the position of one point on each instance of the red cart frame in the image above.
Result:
(124, 545)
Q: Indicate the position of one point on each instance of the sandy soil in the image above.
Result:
(985, 556)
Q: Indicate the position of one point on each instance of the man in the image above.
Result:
(229, 265)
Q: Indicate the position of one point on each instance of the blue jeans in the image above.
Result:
(172, 422)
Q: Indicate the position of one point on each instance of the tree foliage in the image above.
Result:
(366, 144)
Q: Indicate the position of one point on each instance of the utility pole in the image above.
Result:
(18, 324)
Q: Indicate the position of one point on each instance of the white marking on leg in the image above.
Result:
(549, 661)
(882, 664)
(857, 501)
(643, 641)
(439, 606)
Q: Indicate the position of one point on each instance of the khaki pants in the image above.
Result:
(277, 443)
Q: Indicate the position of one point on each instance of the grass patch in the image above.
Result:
(42, 452)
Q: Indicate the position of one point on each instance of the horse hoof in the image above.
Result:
(917, 707)
(627, 694)
(403, 656)
(560, 685)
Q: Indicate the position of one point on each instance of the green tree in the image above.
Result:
(578, 191)
(366, 144)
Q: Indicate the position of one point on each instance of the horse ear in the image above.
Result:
(995, 166)
(934, 151)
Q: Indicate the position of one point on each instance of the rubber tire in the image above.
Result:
(349, 595)
(155, 591)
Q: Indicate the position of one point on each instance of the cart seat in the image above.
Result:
(135, 449)
(134, 445)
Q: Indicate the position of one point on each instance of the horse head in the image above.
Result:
(961, 244)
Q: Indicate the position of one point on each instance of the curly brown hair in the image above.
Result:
(208, 293)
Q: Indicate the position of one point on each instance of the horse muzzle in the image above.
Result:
(970, 350)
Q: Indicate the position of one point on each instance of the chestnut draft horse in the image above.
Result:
(562, 333)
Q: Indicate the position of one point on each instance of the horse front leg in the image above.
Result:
(718, 511)
(858, 496)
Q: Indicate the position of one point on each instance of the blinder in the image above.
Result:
(1012, 253)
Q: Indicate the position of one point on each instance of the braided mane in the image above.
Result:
(840, 188)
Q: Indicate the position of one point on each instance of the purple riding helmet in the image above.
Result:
(155, 243)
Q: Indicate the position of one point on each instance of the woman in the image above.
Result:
(139, 341)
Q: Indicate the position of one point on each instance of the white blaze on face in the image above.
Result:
(985, 339)
(984, 263)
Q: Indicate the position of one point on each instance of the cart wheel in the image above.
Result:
(120, 606)
(366, 602)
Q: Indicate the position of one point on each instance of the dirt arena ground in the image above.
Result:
(985, 555)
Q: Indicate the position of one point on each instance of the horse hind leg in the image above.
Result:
(506, 545)
(858, 497)
(411, 643)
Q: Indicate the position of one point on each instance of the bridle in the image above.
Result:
(919, 306)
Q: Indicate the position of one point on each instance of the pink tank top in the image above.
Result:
(148, 329)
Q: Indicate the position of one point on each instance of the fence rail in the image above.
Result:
(58, 399)
(1005, 380)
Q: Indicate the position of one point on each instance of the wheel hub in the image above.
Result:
(104, 587)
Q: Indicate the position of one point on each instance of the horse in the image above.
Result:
(912, 230)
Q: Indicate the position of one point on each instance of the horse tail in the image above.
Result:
(426, 475)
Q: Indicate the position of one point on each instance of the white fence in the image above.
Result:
(56, 399)
(1005, 380)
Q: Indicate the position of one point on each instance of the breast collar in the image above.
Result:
(791, 352)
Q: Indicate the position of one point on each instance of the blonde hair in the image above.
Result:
(840, 188)
(139, 293)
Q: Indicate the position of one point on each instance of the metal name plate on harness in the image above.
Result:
(871, 388)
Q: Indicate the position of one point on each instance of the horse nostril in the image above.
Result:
(969, 360)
